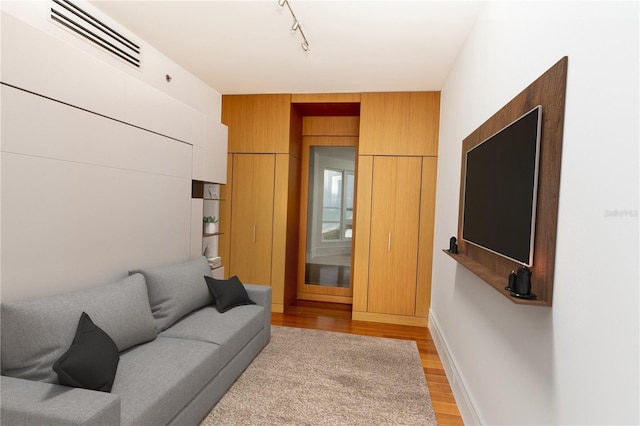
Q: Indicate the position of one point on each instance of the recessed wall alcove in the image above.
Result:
(549, 91)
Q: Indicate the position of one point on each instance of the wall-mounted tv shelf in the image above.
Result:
(549, 91)
(490, 277)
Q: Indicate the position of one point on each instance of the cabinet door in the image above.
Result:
(252, 217)
(399, 123)
(395, 213)
(257, 123)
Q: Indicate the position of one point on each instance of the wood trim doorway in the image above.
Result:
(316, 292)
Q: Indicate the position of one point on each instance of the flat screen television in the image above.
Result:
(500, 190)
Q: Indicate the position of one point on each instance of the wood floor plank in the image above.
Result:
(337, 317)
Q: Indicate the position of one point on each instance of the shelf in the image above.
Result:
(212, 235)
(496, 281)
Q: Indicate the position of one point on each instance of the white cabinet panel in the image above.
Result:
(41, 63)
(198, 171)
(151, 109)
(34, 125)
(215, 152)
(199, 123)
(67, 225)
(210, 161)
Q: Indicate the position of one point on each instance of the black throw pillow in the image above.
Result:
(228, 293)
(92, 359)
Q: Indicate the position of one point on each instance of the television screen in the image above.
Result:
(501, 183)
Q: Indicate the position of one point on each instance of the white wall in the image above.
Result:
(577, 362)
(96, 159)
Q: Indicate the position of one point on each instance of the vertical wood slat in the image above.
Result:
(279, 236)
(425, 249)
(224, 224)
(361, 233)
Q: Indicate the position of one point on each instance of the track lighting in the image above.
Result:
(296, 25)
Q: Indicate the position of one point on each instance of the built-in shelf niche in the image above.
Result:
(549, 91)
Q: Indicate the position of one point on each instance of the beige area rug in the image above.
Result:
(311, 377)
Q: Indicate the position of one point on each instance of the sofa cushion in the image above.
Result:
(156, 380)
(91, 361)
(231, 330)
(175, 290)
(228, 293)
(25, 402)
(35, 333)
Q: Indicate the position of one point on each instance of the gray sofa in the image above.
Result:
(178, 354)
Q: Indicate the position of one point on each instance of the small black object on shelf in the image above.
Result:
(522, 288)
(512, 282)
(453, 245)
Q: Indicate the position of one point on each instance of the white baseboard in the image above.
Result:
(465, 405)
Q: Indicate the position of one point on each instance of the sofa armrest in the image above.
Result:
(261, 294)
(26, 402)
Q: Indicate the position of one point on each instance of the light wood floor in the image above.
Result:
(336, 317)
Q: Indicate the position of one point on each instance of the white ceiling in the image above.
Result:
(238, 46)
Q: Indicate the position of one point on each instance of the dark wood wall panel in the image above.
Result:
(549, 91)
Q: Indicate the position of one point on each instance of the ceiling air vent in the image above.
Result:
(73, 18)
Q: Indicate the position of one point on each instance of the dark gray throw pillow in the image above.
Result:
(91, 361)
(228, 293)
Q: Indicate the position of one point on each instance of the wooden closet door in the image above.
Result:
(395, 213)
(252, 217)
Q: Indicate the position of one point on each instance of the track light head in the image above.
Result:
(296, 27)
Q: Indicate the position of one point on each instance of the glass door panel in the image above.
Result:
(330, 216)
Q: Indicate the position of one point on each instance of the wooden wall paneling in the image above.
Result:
(549, 91)
(293, 229)
(257, 123)
(394, 241)
(325, 98)
(425, 248)
(331, 126)
(361, 233)
(295, 132)
(252, 218)
(400, 123)
(224, 222)
(279, 238)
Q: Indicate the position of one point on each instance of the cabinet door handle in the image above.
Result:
(254, 234)
(389, 243)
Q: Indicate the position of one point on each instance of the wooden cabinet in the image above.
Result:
(395, 214)
(257, 123)
(395, 195)
(260, 241)
(394, 238)
(404, 123)
(252, 196)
